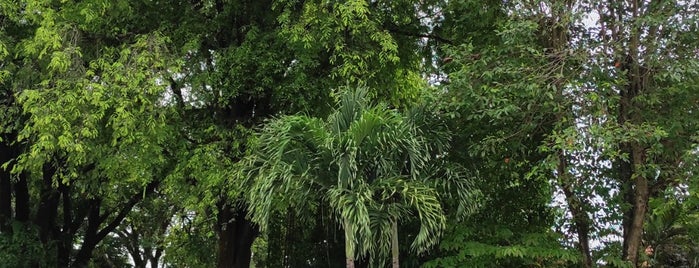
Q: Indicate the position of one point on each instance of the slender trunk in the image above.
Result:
(625, 170)
(288, 249)
(131, 244)
(349, 247)
(21, 199)
(5, 188)
(557, 40)
(65, 243)
(139, 259)
(5, 199)
(580, 218)
(634, 235)
(90, 239)
(582, 227)
(636, 187)
(48, 205)
(94, 235)
(235, 236)
(84, 255)
(637, 77)
(155, 257)
(394, 244)
(155, 260)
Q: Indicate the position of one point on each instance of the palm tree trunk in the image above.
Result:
(349, 248)
(394, 244)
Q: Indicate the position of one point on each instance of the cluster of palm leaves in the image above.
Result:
(671, 234)
(374, 166)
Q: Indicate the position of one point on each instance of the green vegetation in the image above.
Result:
(434, 133)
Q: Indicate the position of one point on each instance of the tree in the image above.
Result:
(573, 118)
(372, 166)
(80, 111)
(604, 126)
(503, 75)
(279, 57)
(654, 138)
(215, 70)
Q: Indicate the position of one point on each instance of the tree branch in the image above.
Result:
(150, 188)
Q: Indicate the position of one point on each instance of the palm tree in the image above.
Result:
(372, 165)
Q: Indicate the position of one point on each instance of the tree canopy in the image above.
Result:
(280, 133)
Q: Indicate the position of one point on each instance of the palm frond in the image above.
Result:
(372, 165)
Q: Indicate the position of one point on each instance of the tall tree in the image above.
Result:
(504, 78)
(616, 110)
(82, 107)
(281, 57)
(653, 46)
(370, 164)
(626, 140)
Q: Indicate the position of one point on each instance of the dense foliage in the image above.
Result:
(284, 133)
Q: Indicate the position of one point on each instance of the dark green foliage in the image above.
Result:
(190, 133)
(21, 247)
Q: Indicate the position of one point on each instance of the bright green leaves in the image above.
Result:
(507, 248)
(350, 12)
(350, 31)
(110, 114)
(47, 39)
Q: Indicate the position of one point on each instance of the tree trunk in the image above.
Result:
(349, 247)
(394, 244)
(5, 188)
(90, 239)
(350, 262)
(637, 75)
(580, 218)
(235, 236)
(625, 171)
(48, 205)
(21, 199)
(94, 235)
(635, 183)
(633, 237)
(288, 248)
(155, 260)
(5, 199)
(582, 227)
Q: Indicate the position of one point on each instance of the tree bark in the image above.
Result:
(288, 249)
(582, 227)
(637, 190)
(633, 237)
(580, 218)
(5, 200)
(94, 235)
(21, 191)
(235, 236)
(94, 220)
(5, 188)
(350, 262)
(349, 248)
(48, 205)
(155, 260)
(625, 171)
